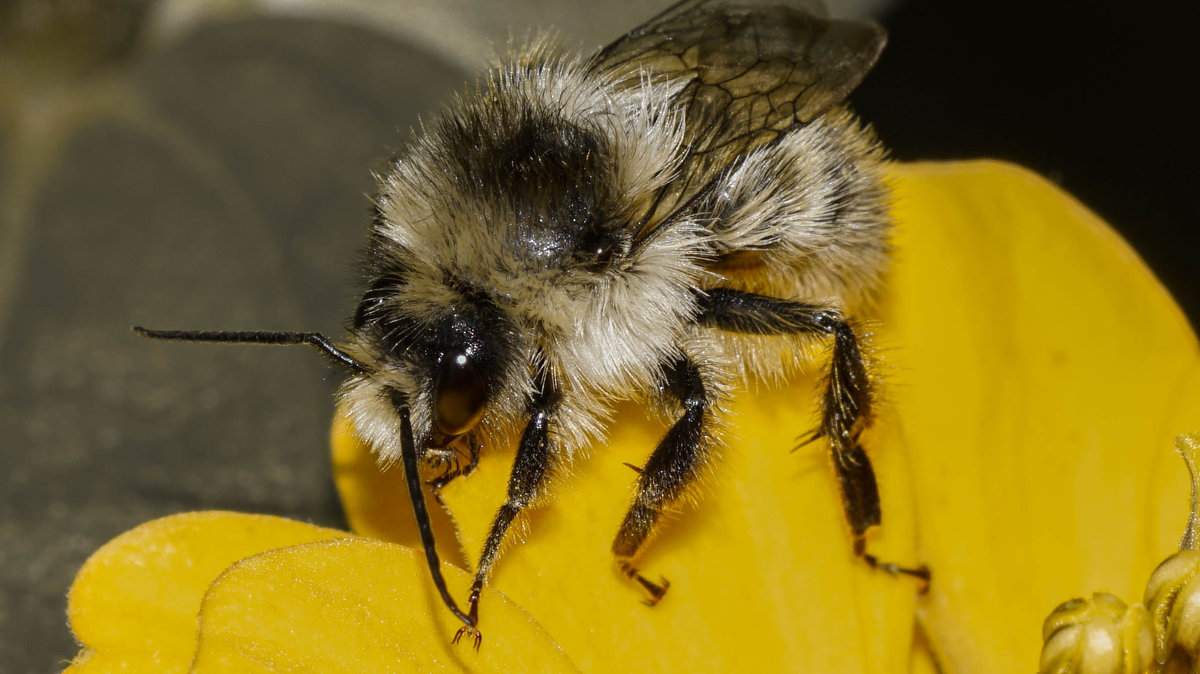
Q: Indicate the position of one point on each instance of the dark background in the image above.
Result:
(223, 187)
(1091, 95)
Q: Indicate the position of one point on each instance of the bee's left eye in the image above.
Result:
(459, 395)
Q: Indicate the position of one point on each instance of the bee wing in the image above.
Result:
(752, 73)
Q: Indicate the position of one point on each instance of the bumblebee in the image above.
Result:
(689, 209)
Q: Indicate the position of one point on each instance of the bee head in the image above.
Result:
(444, 349)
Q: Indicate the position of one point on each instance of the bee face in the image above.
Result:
(448, 361)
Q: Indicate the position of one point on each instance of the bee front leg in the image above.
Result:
(526, 485)
(845, 404)
(671, 469)
(453, 466)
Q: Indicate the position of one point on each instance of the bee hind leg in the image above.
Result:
(845, 404)
(846, 411)
(860, 498)
(670, 471)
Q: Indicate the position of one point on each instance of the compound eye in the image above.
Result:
(459, 396)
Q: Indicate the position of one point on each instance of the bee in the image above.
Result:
(692, 207)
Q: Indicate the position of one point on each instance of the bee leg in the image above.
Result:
(526, 484)
(845, 404)
(455, 467)
(846, 411)
(668, 473)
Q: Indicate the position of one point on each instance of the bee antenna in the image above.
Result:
(408, 454)
(263, 337)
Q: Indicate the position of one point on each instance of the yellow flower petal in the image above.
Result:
(1030, 357)
(1035, 357)
(133, 605)
(301, 596)
(354, 605)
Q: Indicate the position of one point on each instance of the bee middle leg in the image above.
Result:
(671, 469)
(845, 404)
(526, 484)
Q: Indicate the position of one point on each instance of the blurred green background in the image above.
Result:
(204, 164)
